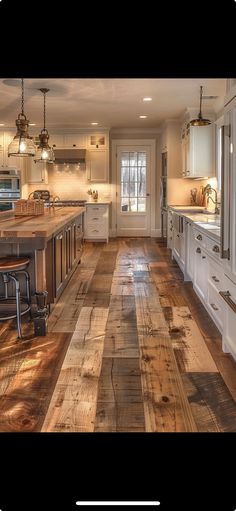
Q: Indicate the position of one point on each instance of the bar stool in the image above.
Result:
(10, 267)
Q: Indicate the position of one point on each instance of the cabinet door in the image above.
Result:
(68, 242)
(9, 161)
(75, 140)
(36, 172)
(201, 151)
(1, 157)
(182, 249)
(190, 251)
(97, 166)
(201, 273)
(56, 140)
(59, 261)
(183, 153)
(176, 244)
(170, 230)
(97, 141)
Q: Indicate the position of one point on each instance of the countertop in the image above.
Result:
(41, 226)
(208, 224)
(187, 208)
(103, 202)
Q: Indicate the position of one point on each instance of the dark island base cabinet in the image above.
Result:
(64, 250)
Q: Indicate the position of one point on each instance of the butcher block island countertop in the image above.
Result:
(41, 226)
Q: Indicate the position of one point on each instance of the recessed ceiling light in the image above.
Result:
(147, 99)
(143, 117)
(94, 123)
(1, 124)
(32, 124)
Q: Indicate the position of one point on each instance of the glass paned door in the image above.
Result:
(133, 185)
(133, 181)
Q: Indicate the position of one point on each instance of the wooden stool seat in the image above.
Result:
(13, 263)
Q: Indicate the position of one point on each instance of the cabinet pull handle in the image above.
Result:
(60, 237)
(215, 278)
(226, 296)
(216, 249)
(199, 237)
(198, 250)
(214, 307)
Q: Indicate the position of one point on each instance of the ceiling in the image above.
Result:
(113, 103)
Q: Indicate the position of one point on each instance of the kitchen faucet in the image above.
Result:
(207, 191)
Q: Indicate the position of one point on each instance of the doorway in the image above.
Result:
(134, 168)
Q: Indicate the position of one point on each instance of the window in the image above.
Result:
(133, 181)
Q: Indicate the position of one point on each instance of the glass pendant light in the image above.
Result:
(44, 152)
(22, 144)
(200, 121)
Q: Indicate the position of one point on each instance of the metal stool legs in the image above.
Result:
(12, 276)
(18, 311)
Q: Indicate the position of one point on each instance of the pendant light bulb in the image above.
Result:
(22, 144)
(200, 121)
(44, 151)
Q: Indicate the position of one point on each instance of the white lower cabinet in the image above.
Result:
(190, 246)
(200, 272)
(228, 301)
(97, 222)
(198, 257)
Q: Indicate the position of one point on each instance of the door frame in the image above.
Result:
(134, 142)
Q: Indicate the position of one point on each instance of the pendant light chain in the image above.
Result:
(44, 111)
(200, 113)
(22, 96)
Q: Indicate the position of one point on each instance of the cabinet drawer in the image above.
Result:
(200, 237)
(94, 212)
(95, 231)
(213, 247)
(216, 275)
(215, 305)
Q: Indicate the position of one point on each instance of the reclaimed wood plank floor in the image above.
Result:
(130, 348)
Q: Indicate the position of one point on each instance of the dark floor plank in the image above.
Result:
(212, 405)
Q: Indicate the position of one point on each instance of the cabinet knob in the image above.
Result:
(199, 237)
(214, 307)
(203, 257)
(216, 249)
(198, 250)
(215, 278)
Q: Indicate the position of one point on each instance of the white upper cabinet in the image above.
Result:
(75, 140)
(98, 141)
(198, 151)
(36, 172)
(5, 160)
(56, 140)
(97, 165)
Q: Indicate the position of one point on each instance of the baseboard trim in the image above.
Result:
(155, 233)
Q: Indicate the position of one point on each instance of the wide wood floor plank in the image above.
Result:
(190, 349)
(70, 410)
(212, 405)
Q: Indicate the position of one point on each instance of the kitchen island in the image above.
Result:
(52, 241)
